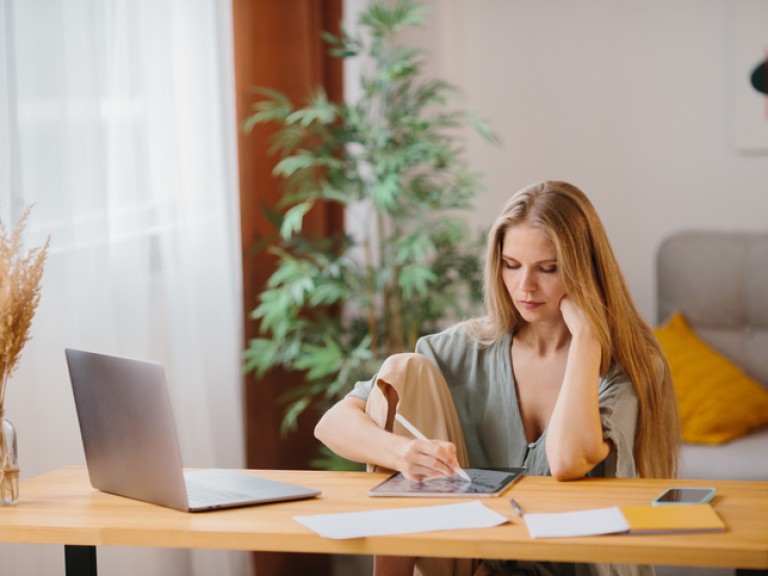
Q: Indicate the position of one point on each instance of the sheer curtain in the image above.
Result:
(117, 122)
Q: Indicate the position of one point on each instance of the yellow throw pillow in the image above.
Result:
(718, 401)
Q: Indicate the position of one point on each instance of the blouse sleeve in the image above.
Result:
(362, 389)
(618, 413)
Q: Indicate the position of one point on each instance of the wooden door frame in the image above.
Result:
(277, 45)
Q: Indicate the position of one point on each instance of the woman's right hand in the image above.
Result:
(424, 459)
(347, 430)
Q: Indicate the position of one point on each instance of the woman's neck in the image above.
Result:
(543, 339)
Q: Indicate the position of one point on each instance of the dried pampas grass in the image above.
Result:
(20, 277)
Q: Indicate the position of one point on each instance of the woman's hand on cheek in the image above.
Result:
(574, 317)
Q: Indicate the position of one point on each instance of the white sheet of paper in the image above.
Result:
(581, 523)
(403, 520)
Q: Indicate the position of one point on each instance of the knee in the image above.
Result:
(394, 372)
(407, 367)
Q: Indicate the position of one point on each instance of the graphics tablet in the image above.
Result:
(485, 482)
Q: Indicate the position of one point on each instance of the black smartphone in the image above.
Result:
(685, 496)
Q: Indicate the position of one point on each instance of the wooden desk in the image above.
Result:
(60, 507)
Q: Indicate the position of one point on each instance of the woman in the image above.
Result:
(561, 376)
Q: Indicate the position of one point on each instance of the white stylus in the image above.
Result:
(417, 433)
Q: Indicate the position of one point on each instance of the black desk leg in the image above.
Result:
(80, 560)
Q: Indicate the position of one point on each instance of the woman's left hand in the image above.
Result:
(574, 318)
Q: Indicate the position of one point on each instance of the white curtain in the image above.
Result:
(117, 120)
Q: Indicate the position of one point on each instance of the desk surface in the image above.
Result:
(60, 507)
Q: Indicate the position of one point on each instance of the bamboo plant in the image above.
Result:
(335, 307)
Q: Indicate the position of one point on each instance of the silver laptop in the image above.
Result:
(131, 445)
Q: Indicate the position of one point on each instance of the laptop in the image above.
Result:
(132, 448)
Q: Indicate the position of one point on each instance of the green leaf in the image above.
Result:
(353, 362)
(385, 21)
(432, 92)
(329, 293)
(483, 128)
(290, 420)
(416, 278)
(320, 360)
(276, 107)
(294, 219)
(414, 247)
(320, 112)
(272, 94)
(331, 39)
(385, 192)
(342, 47)
(399, 67)
(276, 312)
(288, 166)
(260, 355)
(342, 196)
(287, 140)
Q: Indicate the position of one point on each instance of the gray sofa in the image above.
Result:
(719, 281)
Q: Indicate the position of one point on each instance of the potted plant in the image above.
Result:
(20, 290)
(335, 307)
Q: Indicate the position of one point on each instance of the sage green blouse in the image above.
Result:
(482, 385)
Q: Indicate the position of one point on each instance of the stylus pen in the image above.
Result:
(516, 507)
(417, 433)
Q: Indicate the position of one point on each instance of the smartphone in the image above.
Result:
(685, 496)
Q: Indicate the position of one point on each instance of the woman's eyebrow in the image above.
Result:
(545, 261)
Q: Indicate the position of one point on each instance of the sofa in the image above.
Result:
(713, 286)
(719, 282)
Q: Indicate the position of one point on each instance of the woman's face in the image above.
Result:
(530, 272)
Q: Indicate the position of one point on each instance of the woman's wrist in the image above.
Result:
(585, 339)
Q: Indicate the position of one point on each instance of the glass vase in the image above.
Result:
(9, 463)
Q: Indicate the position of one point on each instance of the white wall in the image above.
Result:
(631, 101)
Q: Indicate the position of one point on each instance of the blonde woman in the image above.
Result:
(561, 376)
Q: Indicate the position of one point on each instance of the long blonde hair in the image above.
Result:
(593, 279)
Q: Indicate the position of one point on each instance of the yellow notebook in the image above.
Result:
(661, 519)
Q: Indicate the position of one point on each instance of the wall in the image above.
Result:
(631, 101)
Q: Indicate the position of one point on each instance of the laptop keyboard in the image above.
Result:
(201, 494)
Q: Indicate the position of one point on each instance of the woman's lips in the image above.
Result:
(528, 305)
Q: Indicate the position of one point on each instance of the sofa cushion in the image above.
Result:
(718, 280)
(742, 459)
(718, 401)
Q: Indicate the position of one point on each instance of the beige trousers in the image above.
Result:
(411, 385)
